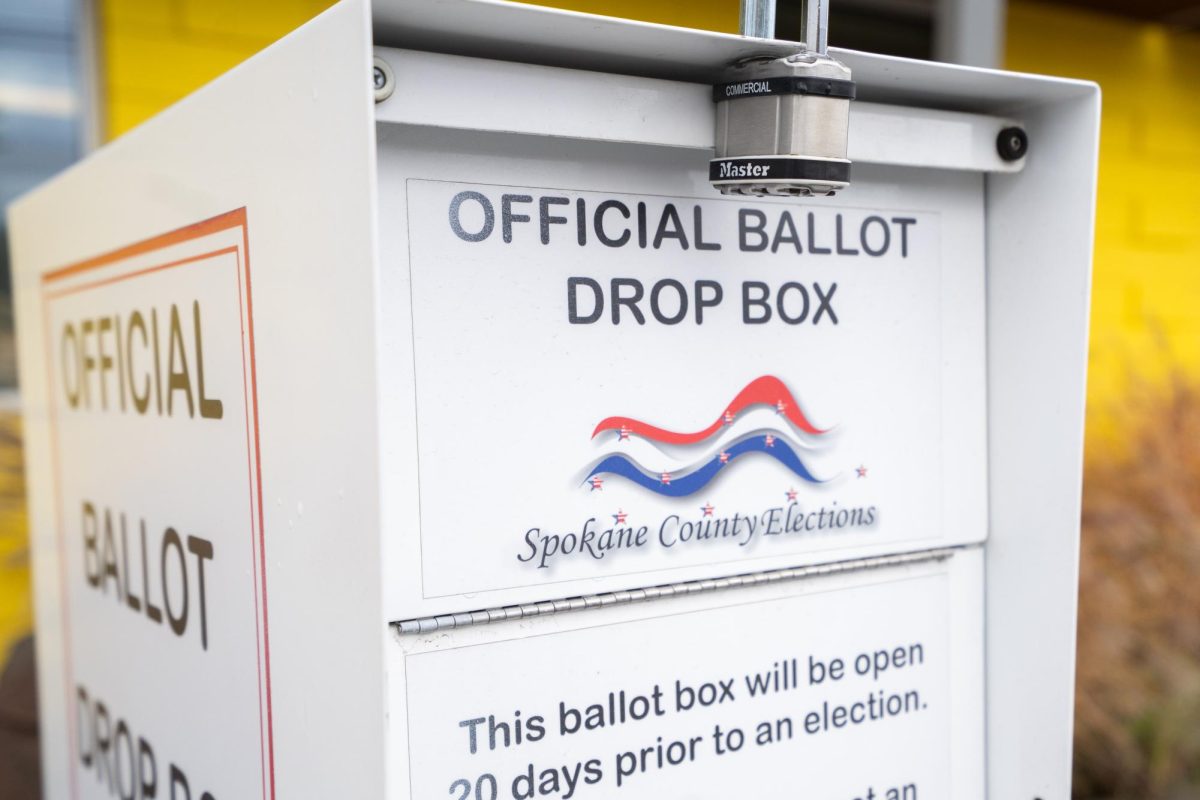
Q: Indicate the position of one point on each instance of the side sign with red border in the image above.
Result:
(158, 485)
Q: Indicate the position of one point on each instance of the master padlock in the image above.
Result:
(783, 122)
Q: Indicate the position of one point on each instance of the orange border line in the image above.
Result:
(221, 222)
(262, 528)
(138, 273)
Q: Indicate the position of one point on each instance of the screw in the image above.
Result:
(1012, 144)
(382, 80)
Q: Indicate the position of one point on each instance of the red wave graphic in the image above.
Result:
(767, 390)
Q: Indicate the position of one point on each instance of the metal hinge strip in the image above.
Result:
(604, 599)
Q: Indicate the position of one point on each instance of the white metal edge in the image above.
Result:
(327, 670)
(622, 108)
(554, 37)
(967, 682)
(1040, 233)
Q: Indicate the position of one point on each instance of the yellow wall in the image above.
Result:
(154, 52)
(1146, 295)
(711, 15)
(16, 613)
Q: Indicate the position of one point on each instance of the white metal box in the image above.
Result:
(467, 443)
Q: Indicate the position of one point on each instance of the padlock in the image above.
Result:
(783, 122)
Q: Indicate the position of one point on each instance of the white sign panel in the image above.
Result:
(844, 694)
(154, 424)
(614, 384)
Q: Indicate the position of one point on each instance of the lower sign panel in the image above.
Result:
(866, 685)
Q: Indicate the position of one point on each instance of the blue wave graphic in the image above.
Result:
(695, 480)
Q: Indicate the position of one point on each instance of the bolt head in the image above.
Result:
(1012, 144)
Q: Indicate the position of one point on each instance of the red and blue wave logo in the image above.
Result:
(687, 462)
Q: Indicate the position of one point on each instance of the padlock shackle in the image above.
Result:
(758, 21)
(816, 26)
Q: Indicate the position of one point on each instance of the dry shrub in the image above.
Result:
(1137, 712)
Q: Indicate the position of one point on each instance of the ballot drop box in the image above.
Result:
(407, 416)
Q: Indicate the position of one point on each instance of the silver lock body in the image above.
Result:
(783, 126)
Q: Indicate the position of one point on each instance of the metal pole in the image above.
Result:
(969, 32)
(758, 18)
(816, 26)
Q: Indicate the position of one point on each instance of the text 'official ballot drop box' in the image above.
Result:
(449, 435)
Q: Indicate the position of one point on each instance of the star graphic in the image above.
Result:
(862, 472)
(666, 479)
(620, 516)
(770, 440)
(780, 406)
(707, 508)
(791, 495)
(597, 483)
(724, 457)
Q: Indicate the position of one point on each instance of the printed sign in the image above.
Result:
(613, 384)
(155, 436)
(750, 696)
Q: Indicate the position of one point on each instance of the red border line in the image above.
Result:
(262, 539)
(68, 673)
(227, 221)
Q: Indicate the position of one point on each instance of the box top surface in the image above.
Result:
(534, 34)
